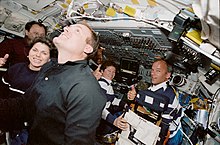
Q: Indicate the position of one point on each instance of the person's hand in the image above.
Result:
(3, 60)
(121, 123)
(131, 93)
(97, 73)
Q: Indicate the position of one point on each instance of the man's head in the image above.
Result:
(160, 71)
(98, 57)
(77, 42)
(35, 29)
(108, 69)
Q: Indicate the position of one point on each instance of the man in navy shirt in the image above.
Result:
(160, 74)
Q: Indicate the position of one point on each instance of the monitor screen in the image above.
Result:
(129, 66)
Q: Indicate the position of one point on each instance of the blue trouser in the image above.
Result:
(177, 139)
(21, 138)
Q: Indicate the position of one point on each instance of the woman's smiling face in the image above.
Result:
(39, 54)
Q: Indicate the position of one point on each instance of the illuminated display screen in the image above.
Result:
(129, 66)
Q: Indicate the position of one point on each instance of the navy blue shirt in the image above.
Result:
(15, 82)
(19, 77)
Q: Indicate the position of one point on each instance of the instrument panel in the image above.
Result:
(142, 44)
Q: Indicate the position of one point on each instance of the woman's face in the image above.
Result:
(39, 54)
(109, 72)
